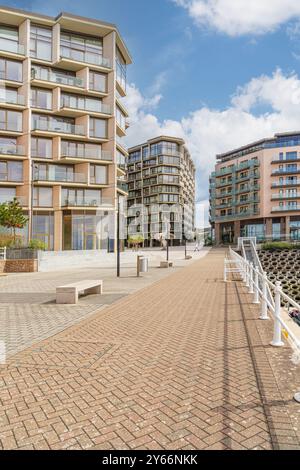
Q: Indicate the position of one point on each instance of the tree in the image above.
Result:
(12, 217)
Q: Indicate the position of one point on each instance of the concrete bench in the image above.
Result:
(166, 264)
(69, 294)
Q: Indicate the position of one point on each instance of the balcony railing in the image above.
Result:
(122, 186)
(60, 127)
(285, 196)
(286, 208)
(8, 198)
(61, 177)
(4, 177)
(10, 46)
(12, 98)
(56, 78)
(89, 154)
(278, 184)
(88, 202)
(85, 57)
(12, 150)
(284, 171)
(99, 107)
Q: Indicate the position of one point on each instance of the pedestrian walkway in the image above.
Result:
(181, 364)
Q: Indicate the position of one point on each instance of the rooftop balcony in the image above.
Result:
(55, 78)
(85, 57)
(59, 127)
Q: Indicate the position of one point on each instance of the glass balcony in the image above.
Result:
(60, 177)
(11, 178)
(89, 153)
(7, 198)
(286, 208)
(11, 46)
(6, 149)
(278, 184)
(50, 76)
(85, 57)
(122, 186)
(284, 171)
(285, 196)
(96, 107)
(88, 202)
(11, 98)
(56, 126)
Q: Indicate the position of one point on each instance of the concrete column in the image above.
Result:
(269, 228)
(58, 230)
(218, 233)
(237, 230)
(287, 227)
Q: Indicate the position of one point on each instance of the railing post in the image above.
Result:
(256, 287)
(277, 341)
(251, 290)
(247, 274)
(264, 303)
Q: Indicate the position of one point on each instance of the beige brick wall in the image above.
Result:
(18, 266)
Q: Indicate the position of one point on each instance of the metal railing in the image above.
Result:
(270, 296)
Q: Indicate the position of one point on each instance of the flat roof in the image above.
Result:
(91, 25)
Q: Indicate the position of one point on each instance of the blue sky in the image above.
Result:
(219, 73)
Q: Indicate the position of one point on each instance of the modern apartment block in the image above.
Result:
(61, 125)
(161, 190)
(254, 191)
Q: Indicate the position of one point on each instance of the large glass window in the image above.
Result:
(81, 48)
(80, 197)
(81, 102)
(8, 146)
(41, 98)
(10, 70)
(11, 171)
(98, 128)
(98, 174)
(121, 69)
(9, 39)
(41, 148)
(121, 119)
(43, 229)
(7, 194)
(42, 197)
(80, 149)
(164, 148)
(81, 232)
(10, 120)
(98, 82)
(41, 42)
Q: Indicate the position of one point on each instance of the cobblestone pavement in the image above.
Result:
(182, 364)
(28, 312)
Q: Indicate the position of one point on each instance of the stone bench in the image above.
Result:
(69, 294)
(166, 264)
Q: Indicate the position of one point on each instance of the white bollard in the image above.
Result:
(277, 341)
(264, 304)
(251, 290)
(256, 292)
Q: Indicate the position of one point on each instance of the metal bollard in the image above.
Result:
(264, 304)
(256, 292)
(277, 341)
(251, 290)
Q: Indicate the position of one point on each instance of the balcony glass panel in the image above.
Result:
(10, 120)
(85, 103)
(44, 123)
(10, 70)
(9, 146)
(9, 40)
(11, 171)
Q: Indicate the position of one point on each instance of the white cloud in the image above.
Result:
(239, 17)
(212, 131)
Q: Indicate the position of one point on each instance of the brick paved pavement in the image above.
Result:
(182, 364)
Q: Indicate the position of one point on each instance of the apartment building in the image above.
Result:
(62, 124)
(161, 190)
(254, 191)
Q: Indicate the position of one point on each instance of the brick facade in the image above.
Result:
(19, 266)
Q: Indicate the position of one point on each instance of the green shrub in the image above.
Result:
(9, 241)
(37, 245)
(273, 246)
